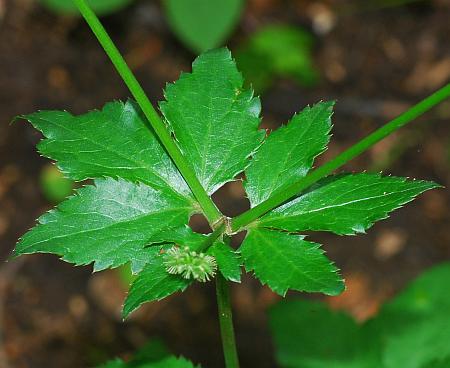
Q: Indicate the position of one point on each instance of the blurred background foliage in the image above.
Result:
(101, 7)
(412, 330)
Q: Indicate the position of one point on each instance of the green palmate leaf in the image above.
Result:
(101, 7)
(228, 261)
(345, 204)
(113, 142)
(288, 153)
(203, 24)
(109, 224)
(139, 198)
(153, 283)
(215, 120)
(284, 261)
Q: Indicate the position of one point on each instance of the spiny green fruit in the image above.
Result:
(190, 264)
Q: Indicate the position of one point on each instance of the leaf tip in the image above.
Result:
(338, 289)
(127, 309)
(16, 118)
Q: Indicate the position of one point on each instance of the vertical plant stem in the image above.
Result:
(209, 241)
(226, 322)
(209, 208)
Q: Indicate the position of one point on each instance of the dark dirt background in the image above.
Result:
(376, 61)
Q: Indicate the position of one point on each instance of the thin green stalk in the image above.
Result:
(209, 208)
(209, 241)
(226, 322)
(294, 189)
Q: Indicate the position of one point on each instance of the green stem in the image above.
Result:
(226, 322)
(294, 189)
(209, 208)
(209, 241)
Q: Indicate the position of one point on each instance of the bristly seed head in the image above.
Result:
(190, 264)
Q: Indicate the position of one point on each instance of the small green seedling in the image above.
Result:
(168, 362)
(412, 330)
(152, 173)
(152, 355)
(277, 51)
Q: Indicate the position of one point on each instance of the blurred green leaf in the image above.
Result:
(203, 24)
(308, 334)
(55, 187)
(416, 324)
(101, 7)
(152, 355)
(153, 351)
(277, 51)
(125, 274)
(439, 363)
(412, 331)
(171, 362)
